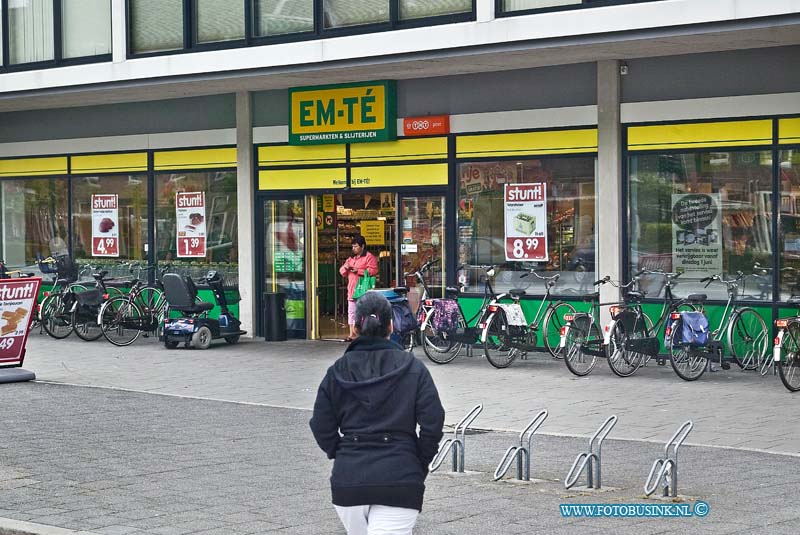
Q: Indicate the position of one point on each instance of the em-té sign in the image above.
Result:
(343, 113)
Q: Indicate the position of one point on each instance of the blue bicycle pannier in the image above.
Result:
(694, 328)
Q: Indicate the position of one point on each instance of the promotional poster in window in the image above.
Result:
(526, 222)
(696, 234)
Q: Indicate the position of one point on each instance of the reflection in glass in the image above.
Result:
(35, 220)
(416, 9)
(279, 17)
(789, 226)
(86, 28)
(219, 20)
(570, 222)
(284, 259)
(342, 13)
(155, 25)
(421, 241)
(30, 31)
(703, 214)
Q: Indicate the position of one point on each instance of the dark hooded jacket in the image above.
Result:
(365, 418)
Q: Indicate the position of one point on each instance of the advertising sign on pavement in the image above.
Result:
(190, 216)
(105, 225)
(17, 306)
(525, 207)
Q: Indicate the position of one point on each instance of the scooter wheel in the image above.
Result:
(170, 345)
(201, 339)
(232, 339)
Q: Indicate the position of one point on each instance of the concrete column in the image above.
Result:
(484, 10)
(246, 222)
(119, 31)
(609, 181)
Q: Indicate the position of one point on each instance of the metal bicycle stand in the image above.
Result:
(666, 470)
(521, 453)
(456, 442)
(591, 459)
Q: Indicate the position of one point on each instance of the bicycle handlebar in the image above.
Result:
(602, 281)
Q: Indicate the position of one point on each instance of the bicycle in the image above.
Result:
(581, 340)
(786, 352)
(55, 312)
(86, 308)
(124, 318)
(744, 330)
(445, 329)
(631, 338)
(422, 310)
(508, 335)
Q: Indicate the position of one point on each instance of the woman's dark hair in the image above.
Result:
(373, 315)
(359, 239)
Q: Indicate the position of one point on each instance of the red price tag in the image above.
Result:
(192, 246)
(105, 246)
(532, 249)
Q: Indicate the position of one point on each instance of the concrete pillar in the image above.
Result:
(119, 31)
(609, 181)
(245, 218)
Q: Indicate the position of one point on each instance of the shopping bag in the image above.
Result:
(695, 328)
(365, 283)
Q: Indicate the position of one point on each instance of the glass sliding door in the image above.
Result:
(421, 241)
(284, 259)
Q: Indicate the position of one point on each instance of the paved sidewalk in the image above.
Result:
(731, 409)
(112, 462)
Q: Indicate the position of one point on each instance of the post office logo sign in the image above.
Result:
(344, 113)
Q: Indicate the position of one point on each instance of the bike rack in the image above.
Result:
(456, 442)
(521, 453)
(591, 459)
(667, 468)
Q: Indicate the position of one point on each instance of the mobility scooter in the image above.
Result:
(195, 328)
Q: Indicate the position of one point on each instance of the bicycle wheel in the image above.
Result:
(582, 329)
(622, 361)
(747, 339)
(56, 321)
(498, 347)
(688, 364)
(436, 346)
(148, 299)
(121, 321)
(789, 365)
(551, 329)
(84, 323)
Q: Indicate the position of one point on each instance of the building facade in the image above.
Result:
(665, 133)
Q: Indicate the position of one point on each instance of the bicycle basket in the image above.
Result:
(694, 328)
(90, 298)
(445, 315)
(66, 268)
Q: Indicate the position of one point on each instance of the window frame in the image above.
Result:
(190, 43)
(584, 4)
(58, 55)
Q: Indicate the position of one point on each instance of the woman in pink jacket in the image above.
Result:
(353, 268)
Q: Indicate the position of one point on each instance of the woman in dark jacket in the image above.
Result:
(365, 418)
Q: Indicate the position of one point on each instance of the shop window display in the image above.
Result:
(218, 214)
(35, 220)
(703, 214)
(789, 226)
(570, 209)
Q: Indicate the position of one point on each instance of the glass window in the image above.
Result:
(570, 184)
(789, 225)
(522, 5)
(131, 194)
(86, 28)
(156, 25)
(219, 20)
(220, 218)
(415, 9)
(34, 219)
(1, 35)
(284, 261)
(278, 17)
(30, 31)
(703, 214)
(342, 13)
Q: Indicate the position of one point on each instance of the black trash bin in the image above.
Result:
(275, 317)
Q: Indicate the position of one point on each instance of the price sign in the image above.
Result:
(17, 306)
(190, 215)
(105, 225)
(525, 207)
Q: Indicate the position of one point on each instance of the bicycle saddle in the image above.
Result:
(635, 297)
(516, 293)
(699, 298)
(451, 292)
(588, 298)
(100, 275)
(400, 290)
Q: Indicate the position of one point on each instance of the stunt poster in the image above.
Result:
(17, 306)
(190, 216)
(105, 225)
(525, 207)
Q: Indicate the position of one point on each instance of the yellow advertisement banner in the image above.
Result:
(373, 231)
(789, 131)
(301, 179)
(274, 155)
(109, 163)
(34, 166)
(700, 135)
(527, 143)
(195, 159)
(401, 150)
(399, 175)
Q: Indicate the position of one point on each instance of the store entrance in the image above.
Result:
(340, 217)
